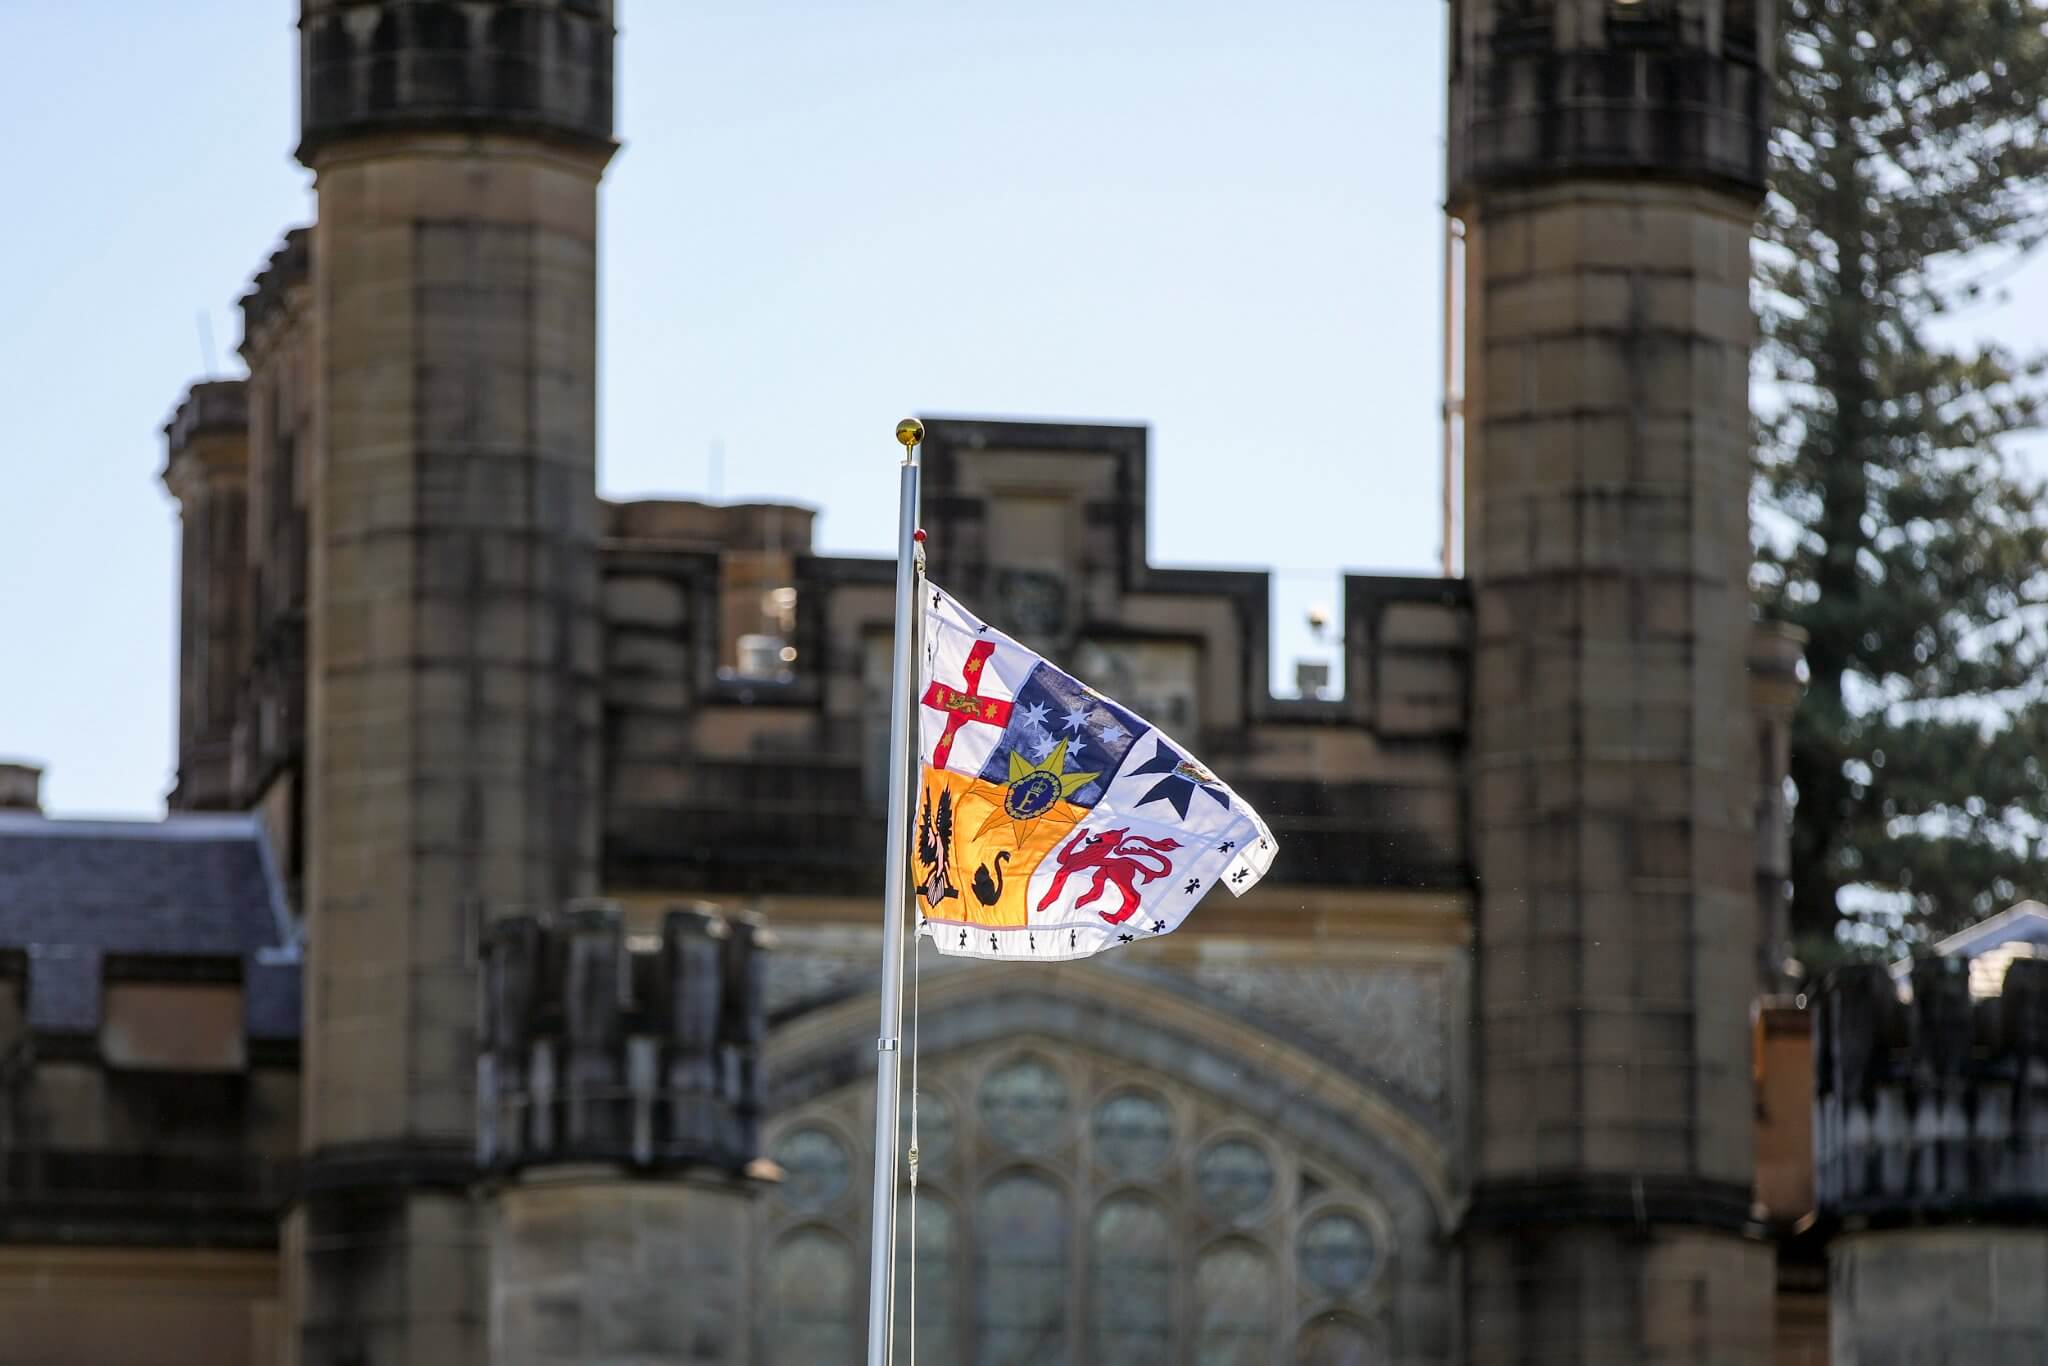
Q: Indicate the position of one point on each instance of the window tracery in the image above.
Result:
(811, 1287)
(1234, 1302)
(1021, 1257)
(1073, 1210)
(1130, 1279)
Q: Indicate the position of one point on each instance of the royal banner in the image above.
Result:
(1051, 822)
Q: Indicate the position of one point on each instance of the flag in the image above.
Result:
(1052, 822)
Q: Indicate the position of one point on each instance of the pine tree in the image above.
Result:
(1908, 172)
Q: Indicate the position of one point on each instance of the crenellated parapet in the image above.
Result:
(538, 67)
(600, 1046)
(1642, 89)
(1933, 1109)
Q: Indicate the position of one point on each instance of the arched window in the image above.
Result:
(1235, 1177)
(815, 1166)
(1336, 1252)
(1073, 1210)
(1020, 1295)
(1024, 1103)
(1130, 1283)
(1234, 1306)
(1133, 1132)
(1336, 1341)
(812, 1287)
(939, 1277)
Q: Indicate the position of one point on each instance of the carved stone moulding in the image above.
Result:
(597, 1046)
(1934, 1109)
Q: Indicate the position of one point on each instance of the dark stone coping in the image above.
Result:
(1639, 1202)
(1879, 1214)
(141, 1199)
(341, 1168)
(349, 1169)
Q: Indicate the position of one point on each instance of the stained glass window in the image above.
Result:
(1337, 1252)
(1024, 1103)
(939, 1274)
(1234, 1306)
(1235, 1176)
(1133, 1131)
(812, 1285)
(1337, 1342)
(1147, 1229)
(1130, 1283)
(1021, 1281)
(815, 1168)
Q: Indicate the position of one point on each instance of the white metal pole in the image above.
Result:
(896, 866)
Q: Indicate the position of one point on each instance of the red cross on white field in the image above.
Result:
(960, 707)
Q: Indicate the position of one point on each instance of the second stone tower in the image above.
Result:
(457, 150)
(1607, 157)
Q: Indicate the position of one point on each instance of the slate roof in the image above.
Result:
(72, 892)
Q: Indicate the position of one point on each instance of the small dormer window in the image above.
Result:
(172, 1014)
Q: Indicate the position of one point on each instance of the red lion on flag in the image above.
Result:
(1114, 856)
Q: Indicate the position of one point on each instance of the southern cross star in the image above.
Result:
(1112, 733)
(1183, 777)
(1037, 715)
(1077, 719)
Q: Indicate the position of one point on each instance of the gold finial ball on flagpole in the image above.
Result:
(910, 432)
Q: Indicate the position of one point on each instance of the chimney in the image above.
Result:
(21, 786)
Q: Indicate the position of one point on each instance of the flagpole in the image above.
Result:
(896, 872)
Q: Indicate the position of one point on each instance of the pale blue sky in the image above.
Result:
(1215, 218)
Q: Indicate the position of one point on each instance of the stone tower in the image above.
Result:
(206, 469)
(453, 713)
(1606, 157)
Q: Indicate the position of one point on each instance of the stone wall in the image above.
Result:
(719, 783)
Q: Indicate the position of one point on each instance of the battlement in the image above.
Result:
(269, 294)
(209, 406)
(1934, 1108)
(1547, 88)
(600, 1047)
(544, 69)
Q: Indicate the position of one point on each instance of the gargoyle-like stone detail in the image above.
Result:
(1935, 1109)
(596, 1051)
